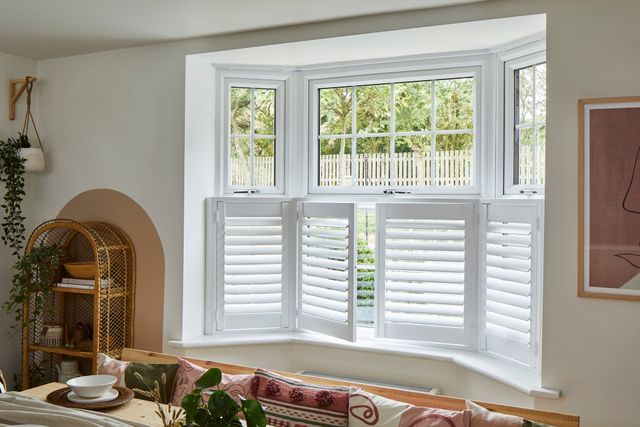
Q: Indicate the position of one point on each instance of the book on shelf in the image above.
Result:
(70, 282)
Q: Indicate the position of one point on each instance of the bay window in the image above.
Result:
(389, 232)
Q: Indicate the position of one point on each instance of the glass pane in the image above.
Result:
(264, 111)
(335, 163)
(412, 161)
(524, 97)
(453, 161)
(454, 104)
(335, 111)
(240, 112)
(373, 109)
(366, 264)
(541, 92)
(541, 139)
(525, 156)
(240, 162)
(372, 162)
(264, 162)
(413, 106)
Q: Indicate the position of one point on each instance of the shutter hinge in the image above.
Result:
(217, 216)
(538, 223)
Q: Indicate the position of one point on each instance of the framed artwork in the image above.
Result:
(609, 198)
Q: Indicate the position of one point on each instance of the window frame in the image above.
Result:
(315, 83)
(510, 67)
(253, 80)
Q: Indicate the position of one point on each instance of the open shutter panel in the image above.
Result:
(327, 268)
(422, 263)
(510, 273)
(252, 244)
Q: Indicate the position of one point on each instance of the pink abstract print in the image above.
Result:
(290, 403)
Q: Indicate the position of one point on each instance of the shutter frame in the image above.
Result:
(330, 289)
(509, 329)
(455, 222)
(236, 223)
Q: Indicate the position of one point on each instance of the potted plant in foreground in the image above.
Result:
(220, 410)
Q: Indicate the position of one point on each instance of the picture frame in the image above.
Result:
(609, 198)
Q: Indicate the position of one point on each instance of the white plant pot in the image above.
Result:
(34, 159)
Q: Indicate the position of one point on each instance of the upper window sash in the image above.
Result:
(512, 124)
(257, 174)
(314, 134)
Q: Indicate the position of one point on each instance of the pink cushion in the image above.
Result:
(482, 417)
(109, 366)
(188, 373)
(368, 409)
(288, 402)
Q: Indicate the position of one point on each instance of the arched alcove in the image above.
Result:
(119, 209)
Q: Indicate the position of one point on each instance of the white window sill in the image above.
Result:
(520, 378)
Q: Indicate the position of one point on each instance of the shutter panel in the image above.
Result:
(252, 244)
(327, 268)
(422, 272)
(510, 262)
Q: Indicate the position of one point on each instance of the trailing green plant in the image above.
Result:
(220, 410)
(34, 274)
(12, 176)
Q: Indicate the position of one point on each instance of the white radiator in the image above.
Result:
(423, 389)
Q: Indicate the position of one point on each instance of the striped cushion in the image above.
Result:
(291, 403)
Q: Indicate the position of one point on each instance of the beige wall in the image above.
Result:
(118, 209)
(116, 120)
(11, 67)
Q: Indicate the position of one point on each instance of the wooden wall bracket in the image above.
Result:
(15, 93)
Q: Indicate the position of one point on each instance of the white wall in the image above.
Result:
(116, 120)
(11, 67)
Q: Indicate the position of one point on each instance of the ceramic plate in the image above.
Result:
(109, 396)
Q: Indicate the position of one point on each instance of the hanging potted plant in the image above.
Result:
(33, 156)
(33, 273)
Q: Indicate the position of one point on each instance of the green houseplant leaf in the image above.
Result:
(209, 379)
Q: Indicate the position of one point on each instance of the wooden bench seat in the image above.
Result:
(413, 397)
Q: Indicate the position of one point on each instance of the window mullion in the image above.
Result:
(252, 137)
(354, 152)
(392, 142)
(433, 134)
(534, 132)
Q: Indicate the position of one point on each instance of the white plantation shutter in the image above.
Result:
(252, 249)
(424, 289)
(510, 264)
(326, 238)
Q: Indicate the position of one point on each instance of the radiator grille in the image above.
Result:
(407, 387)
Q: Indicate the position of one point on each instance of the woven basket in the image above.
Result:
(81, 270)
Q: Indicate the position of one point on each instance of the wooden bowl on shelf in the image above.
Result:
(81, 270)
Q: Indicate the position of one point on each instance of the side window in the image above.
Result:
(254, 137)
(525, 125)
(415, 135)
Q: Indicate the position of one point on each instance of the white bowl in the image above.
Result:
(92, 385)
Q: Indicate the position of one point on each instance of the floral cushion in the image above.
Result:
(149, 381)
(368, 409)
(235, 385)
(482, 417)
(291, 403)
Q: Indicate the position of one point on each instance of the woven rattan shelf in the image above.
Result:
(107, 308)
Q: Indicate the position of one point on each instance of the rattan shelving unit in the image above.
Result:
(108, 307)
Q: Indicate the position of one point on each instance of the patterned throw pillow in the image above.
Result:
(143, 378)
(368, 409)
(188, 373)
(482, 417)
(292, 403)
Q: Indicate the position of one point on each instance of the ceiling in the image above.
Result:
(465, 36)
(42, 29)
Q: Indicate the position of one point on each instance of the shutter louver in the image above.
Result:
(510, 248)
(326, 268)
(253, 242)
(422, 271)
